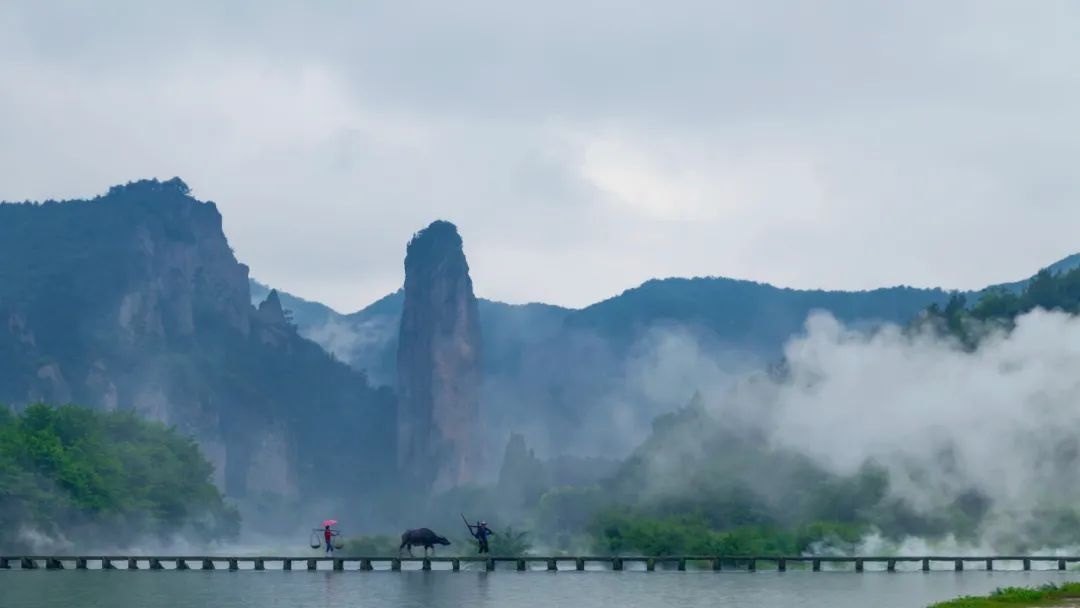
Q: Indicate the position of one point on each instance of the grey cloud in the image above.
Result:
(837, 144)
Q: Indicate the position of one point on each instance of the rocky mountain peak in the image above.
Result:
(271, 311)
(134, 300)
(438, 363)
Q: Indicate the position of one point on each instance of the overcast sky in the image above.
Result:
(581, 147)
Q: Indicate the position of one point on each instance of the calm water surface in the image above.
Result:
(144, 589)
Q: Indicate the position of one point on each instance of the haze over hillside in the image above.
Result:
(559, 374)
(134, 301)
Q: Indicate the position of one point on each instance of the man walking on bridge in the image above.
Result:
(480, 532)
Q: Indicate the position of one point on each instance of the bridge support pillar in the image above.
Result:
(106, 564)
(395, 565)
(207, 564)
(181, 564)
(650, 565)
(681, 565)
(751, 565)
(616, 564)
(489, 565)
(28, 564)
(426, 564)
(155, 564)
(816, 565)
(958, 565)
(260, 564)
(5, 564)
(925, 565)
(1061, 564)
(1027, 564)
(989, 565)
(233, 564)
(365, 565)
(53, 564)
(781, 565)
(552, 566)
(521, 565)
(891, 565)
(311, 564)
(80, 563)
(286, 565)
(133, 564)
(579, 564)
(858, 565)
(339, 564)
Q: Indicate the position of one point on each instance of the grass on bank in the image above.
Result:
(1046, 595)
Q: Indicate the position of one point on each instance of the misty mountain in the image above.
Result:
(744, 315)
(300, 312)
(1063, 265)
(571, 380)
(367, 338)
(556, 374)
(750, 317)
(134, 301)
(757, 317)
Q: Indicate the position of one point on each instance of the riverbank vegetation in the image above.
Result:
(615, 533)
(696, 486)
(1047, 595)
(105, 479)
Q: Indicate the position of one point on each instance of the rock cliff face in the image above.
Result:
(438, 364)
(522, 476)
(134, 300)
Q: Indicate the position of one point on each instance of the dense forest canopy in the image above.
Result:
(997, 309)
(103, 478)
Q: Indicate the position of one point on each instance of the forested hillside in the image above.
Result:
(970, 318)
(74, 475)
(134, 301)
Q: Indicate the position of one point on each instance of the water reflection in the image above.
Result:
(144, 589)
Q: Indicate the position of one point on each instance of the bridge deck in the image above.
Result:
(521, 563)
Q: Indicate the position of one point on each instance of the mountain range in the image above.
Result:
(556, 374)
(751, 316)
(134, 300)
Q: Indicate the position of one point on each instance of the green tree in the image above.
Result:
(510, 542)
(83, 473)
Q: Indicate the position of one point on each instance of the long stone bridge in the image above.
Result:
(527, 563)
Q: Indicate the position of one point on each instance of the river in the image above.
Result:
(247, 589)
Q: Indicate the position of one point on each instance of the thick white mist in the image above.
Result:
(1003, 419)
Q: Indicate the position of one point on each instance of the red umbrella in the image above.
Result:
(329, 522)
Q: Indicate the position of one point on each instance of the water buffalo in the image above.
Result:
(421, 536)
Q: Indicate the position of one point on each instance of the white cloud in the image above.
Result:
(681, 181)
(941, 419)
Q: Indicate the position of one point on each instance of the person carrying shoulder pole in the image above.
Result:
(480, 532)
(328, 534)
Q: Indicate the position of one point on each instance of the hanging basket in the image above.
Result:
(338, 543)
(315, 541)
